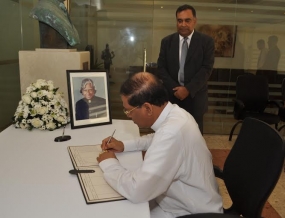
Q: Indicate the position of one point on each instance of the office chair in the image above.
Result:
(252, 97)
(281, 111)
(251, 170)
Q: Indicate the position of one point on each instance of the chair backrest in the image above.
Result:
(253, 91)
(253, 167)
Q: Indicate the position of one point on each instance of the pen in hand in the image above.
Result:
(111, 137)
(105, 150)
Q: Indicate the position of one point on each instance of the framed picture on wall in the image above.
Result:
(224, 37)
(88, 94)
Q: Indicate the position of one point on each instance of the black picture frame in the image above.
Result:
(87, 109)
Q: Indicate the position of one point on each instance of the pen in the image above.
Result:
(81, 171)
(63, 131)
(111, 137)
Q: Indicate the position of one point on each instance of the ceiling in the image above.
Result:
(245, 12)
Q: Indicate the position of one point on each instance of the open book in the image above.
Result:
(93, 185)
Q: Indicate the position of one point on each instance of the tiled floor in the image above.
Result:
(277, 198)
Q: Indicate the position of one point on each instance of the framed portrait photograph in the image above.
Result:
(88, 95)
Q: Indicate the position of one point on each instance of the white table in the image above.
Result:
(35, 180)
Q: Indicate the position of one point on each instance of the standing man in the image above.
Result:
(107, 56)
(185, 64)
(273, 55)
(262, 55)
(177, 171)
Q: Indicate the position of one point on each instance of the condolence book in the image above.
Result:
(94, 187)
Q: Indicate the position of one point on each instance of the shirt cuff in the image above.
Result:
(129, 145)
(107, 163)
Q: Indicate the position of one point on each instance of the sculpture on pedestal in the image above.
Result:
(107, 56)
(56, 28)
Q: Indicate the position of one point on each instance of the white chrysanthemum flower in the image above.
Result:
(36, 122)
(60, 119)
(50, 95)
(26, 109)
(23, 126)
(29, 89)
(26, 99)
(42, 110)
(56, 110)
(34, 95)
(50, 82)
(45, 92)
(41, 107)
(37, 105)
(50, 87)
(25, 115)
(40, 83)
(33, 112)
(40, 93)
(19, 109)
(43, 102)
(51, 125)
(45, 117)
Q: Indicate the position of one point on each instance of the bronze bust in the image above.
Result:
(56, 28)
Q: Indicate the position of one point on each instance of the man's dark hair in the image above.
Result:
(144, 87)
(186, 7)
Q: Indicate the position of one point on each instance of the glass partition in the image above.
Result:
(10, 41)
(129, 27)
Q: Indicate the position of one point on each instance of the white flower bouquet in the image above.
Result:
(41, 107)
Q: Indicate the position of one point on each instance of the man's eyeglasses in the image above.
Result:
(129, 111)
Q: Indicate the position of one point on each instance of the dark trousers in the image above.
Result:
(195, 106)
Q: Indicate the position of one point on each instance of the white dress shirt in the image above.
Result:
(181, 39)
(177, 169)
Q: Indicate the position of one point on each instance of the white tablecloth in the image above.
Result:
(35, 180)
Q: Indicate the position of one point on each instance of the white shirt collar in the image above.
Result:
(189, 37)
(162, 116)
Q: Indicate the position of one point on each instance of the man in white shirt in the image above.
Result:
(177, 171)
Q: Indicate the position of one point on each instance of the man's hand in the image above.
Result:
(106, 155)
(181, 92)
(114, 145)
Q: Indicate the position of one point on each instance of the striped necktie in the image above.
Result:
(184, 50)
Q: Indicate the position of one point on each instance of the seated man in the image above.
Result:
(177, 171)
(90, 106)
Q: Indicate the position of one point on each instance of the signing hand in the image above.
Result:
(114, 145)
(181, 92)
(105, 155)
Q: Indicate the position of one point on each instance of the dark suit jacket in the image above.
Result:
(197, 70)
(82, 107)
